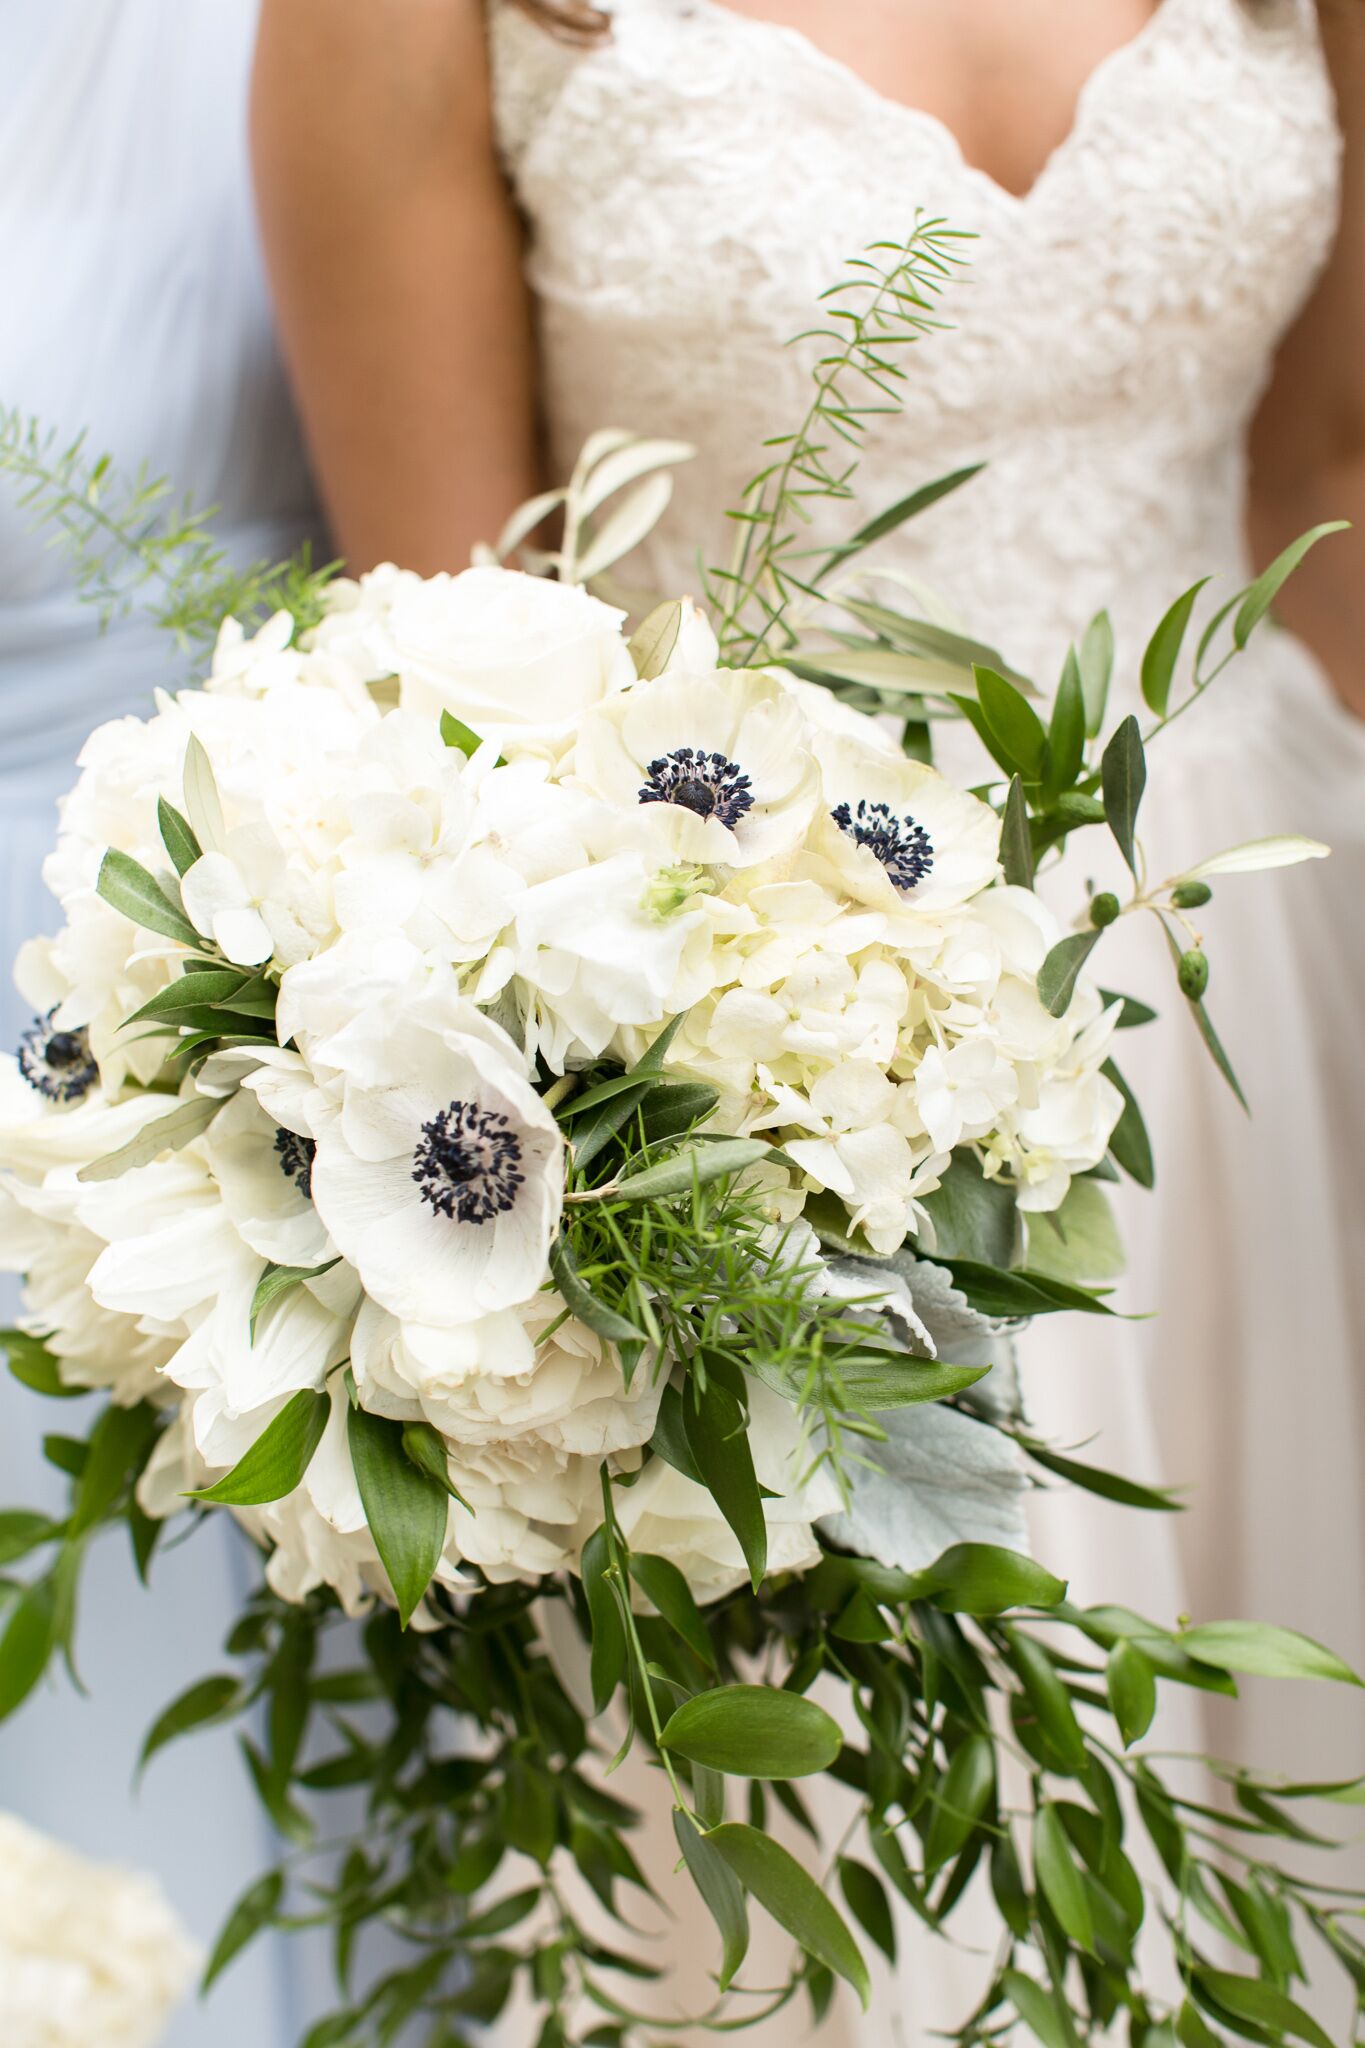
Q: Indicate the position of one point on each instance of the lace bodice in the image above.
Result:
(693, 185)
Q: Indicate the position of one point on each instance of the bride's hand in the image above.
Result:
(395, 258)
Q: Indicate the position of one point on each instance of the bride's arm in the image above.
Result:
(1308, 449)
(395, 259)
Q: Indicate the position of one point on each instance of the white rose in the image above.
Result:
(516, 657)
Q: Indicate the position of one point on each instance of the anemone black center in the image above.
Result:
(296, 1156)
(468, 1163)
(57, 1063)
(709, 785)
(904, 848)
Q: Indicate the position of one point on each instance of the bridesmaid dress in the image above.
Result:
(691, 186)
(135, 309)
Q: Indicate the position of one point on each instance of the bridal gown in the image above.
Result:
(134, 308)
(691, 187)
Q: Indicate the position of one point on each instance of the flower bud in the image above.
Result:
(1193, 974)
(1104, 908)
(1190, 895)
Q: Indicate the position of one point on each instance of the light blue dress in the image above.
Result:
(135, 308)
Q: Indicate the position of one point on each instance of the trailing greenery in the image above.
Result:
(129, 543)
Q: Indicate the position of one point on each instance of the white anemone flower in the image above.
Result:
(265, 1173)
(438, 1172)
(898, 833)
(718, 766)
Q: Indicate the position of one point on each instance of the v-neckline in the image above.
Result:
(854, 81)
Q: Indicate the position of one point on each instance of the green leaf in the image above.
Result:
(203, 805)
(177, 837)
(1123, 777)
(653, 642)
(1132, 1691)
(33, 1365)
(1192, 2031)
(1163, 650)
(973, 1218)
(1096, 661)
(255, 1909)
(661, 1582)
(210, 1701)
(717, 1437)
(865, 1895)
(1079, 1241)
(1263, 592)
(1260, 1649)
(720, 1890)
(672, 1108)
(128, 888)
(1014, 724)
(427, 1449)
(1039, 2010)
(1246, 1998)
(1108, 1485)
(1060, 971)
(187, 1121)
(604, 1613)
(278, 1459)
(1129, 1143)
(26, 1644)
(1049, 1700)
(902, 1384)
(1016, 848)
(1133, 1012)
(1066, 731)
(981, 1578)
(455, 733)
(278, 1280)
(625, 1099)
(669, 1440)
(1060, 1878)
(192, 992)
(583, 1303)
(118, 1449)
(689, 1169)
(1020, 1293)
(793, 1899)
(21, 1533)
(407, 1509)
(960, 1799)
(896, 515)
(754, 1731)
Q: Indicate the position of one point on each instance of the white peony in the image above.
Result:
(91, 1956)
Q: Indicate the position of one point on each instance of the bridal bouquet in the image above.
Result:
(552, 1128)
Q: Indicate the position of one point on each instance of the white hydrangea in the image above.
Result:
(89, 1953)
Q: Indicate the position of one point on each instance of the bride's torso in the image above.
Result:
(693, 185)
